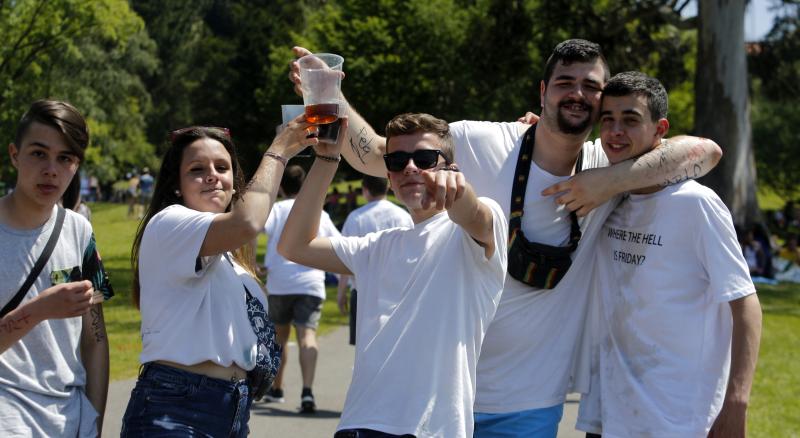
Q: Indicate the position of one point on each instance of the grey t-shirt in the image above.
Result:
(41, 375)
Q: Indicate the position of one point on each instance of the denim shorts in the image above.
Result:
(168, 401)
(300, 310)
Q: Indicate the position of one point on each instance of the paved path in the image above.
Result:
(334, 368)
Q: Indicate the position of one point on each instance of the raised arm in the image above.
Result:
(732, 419)
(364, 148)
(675, 160)
(248, 214)
(299, 241)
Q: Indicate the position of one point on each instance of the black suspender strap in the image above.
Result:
(39, 265)
(535, 264)
(521, 182)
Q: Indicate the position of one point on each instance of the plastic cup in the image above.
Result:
(321, 83)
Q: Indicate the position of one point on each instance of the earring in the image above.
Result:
(233, 192)
(178, 193)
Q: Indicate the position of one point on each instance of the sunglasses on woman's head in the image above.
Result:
(224, 132)
(423, 159)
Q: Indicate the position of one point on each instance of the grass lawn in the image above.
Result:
(774, 397)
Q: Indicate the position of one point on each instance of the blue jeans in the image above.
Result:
(539, 423)
(168, 401)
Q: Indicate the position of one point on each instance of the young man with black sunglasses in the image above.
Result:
(431, 289)
(530, 357)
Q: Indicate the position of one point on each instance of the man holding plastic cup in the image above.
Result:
(533, 352)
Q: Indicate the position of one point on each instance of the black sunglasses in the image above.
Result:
(423, 159)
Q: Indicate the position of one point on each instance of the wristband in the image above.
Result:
(283, 160)
(329, 158)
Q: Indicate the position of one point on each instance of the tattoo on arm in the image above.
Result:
(666, 157)
(361, 145)
(13, 324)
(97, 324)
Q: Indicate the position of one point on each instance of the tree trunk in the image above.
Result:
(722, 107)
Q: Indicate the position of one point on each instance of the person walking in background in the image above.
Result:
(146, 183)
(208, 347)
(296, 293)
(53, 343)
(378, 214)
(133, 194)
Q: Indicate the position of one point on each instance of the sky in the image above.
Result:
(757, 21)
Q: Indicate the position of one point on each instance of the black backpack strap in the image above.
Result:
(39, 265)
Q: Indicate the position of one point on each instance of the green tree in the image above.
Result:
(88, 53)
(775, 66)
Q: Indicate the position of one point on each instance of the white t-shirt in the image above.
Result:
(529, 355)
(193, 310)
(42, 377)
(285, 277)
(667, 264)
(376, 216)
(428, 294)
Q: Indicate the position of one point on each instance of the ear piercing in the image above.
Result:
(178, 193)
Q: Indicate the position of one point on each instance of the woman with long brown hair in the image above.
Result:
(205, 335)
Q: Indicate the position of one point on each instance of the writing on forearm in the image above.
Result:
(360, 144)
(18, 322)
(98, 328)
(673, 165)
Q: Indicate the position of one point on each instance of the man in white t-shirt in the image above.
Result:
(295, 293)
(378, 214)
(676, 307)
(530, 358)
(427, 292)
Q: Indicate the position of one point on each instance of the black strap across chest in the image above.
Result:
(38, 266)
(521, 174)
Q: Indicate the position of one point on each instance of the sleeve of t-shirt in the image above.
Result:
(354, 251)
(178, 234)
(483, 147)
(500, 231)
(728, 275)
(348, 229)
(326, 226)
(93, 270)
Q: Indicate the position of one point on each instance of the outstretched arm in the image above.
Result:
(299, 241)
(364, 148)
(674, 161)
(448, 189)
(732, 419)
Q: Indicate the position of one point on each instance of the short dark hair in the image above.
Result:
(640, 84)
(292, 180)
(410, 123)
(575, 50)
(376, 186)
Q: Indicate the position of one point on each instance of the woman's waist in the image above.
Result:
(231, 373)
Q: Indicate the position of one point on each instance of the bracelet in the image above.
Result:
(329, 158)
(283, 160)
